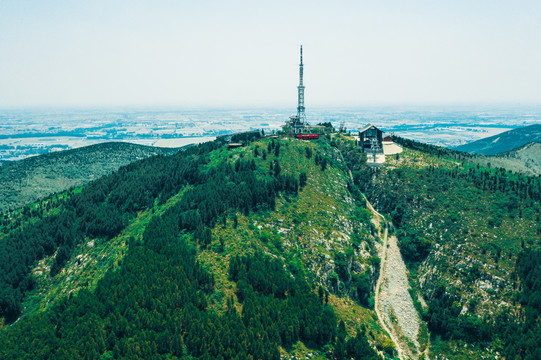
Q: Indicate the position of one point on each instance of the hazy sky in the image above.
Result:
(245, 53)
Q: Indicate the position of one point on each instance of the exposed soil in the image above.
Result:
(393, 303)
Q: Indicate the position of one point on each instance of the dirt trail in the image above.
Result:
(393, 304)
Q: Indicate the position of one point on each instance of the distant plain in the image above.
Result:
(29, 132)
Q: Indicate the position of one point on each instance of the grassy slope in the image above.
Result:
(27, 180)
(306, 231)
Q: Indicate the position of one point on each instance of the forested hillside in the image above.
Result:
(469, 235)
(268, 251)
(25, 181)
(206, 273)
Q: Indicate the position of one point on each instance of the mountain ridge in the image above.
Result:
(503, 142)
(315, 247)
(259, 224)
(27, 180)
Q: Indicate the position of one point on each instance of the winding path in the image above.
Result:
(393, 303)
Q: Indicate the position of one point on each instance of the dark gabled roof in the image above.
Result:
(366, 127)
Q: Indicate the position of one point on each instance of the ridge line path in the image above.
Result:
(393, 303)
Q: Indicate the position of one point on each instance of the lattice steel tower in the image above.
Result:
(300, 107)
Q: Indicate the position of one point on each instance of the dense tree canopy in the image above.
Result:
(155, 305)
(103, 209)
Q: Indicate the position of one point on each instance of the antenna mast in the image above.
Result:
(300, 107)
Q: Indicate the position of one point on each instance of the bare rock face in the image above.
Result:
(395, 302)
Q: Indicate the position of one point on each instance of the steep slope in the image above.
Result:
(261, 251)
(25, 181)
(503, 142)
(463, 230)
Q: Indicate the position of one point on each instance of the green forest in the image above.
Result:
(163, 300)
(155, 305)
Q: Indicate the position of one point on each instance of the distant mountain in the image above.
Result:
(505, 141)
(27, 180)
(526, 159)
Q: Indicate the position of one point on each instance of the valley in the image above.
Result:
(461, 240)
